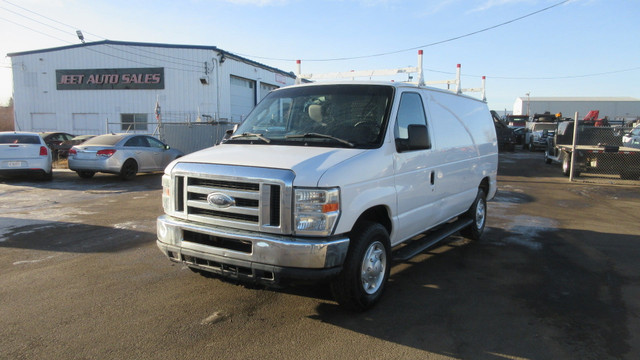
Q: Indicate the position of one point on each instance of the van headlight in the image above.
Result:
(316, 211)
(166, 193)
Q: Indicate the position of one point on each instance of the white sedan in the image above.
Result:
(24, 153)
(121, 154)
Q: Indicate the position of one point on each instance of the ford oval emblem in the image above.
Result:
(220, 200)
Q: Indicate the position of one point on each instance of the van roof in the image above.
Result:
(382, 83)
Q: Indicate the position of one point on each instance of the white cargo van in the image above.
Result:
(332, 181)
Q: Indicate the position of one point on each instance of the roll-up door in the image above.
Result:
(265, 88)
(243, 98)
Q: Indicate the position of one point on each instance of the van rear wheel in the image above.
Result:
(366, 269)
(478, 214)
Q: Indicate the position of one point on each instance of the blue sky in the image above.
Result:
(578, 48)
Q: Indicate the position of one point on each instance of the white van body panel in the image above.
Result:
(464, 151)
(308, 163)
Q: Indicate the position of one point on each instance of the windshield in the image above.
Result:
(320, 115)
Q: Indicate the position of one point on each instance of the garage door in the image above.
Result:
(265, 88)
(43, 122)
(86, 123)
(243, 98)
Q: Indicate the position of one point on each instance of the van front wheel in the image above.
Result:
(366, 269)
(478, 214)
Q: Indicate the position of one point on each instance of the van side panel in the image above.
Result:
(465, 139)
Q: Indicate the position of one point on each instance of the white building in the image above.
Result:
(613, 107)
(115, 86)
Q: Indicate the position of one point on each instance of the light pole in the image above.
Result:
(528, 102)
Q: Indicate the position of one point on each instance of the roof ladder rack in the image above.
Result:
(386, 72)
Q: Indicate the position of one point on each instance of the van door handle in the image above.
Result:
(433, 177)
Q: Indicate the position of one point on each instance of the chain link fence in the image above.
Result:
(193, 136)
(602, 154)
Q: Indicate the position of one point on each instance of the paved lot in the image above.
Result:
(556, 276)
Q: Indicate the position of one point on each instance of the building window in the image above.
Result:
(132, 122)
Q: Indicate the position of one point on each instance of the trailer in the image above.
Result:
(592, 155)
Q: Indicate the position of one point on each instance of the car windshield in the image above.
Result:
(19, 139)
(320, 115)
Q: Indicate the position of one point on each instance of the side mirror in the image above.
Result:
(418, 139)
(167, 147)
(229, 132)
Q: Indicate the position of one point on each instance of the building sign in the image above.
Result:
(110, 79)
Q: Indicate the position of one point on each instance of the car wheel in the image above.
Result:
(361, 282)
(48, 176)
(566, 164)
(85, 174)
(129, 170)
(478, 213)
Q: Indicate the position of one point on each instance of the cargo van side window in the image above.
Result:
(411, 124)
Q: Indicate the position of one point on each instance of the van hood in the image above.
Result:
(308, 163)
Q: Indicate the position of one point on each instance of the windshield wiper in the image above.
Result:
(318, 135)
(259, 136)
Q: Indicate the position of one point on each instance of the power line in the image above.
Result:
(100, 37)
(421, 46)
(562, 77)
(40, 32)
(198, 66)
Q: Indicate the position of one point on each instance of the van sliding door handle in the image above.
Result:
(433, 177)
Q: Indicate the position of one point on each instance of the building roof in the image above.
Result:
(567, 99)
(173, 46)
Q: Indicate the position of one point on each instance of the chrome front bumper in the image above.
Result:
(216, 249)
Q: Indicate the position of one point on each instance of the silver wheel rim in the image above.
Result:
(480, 214)
(374, 265)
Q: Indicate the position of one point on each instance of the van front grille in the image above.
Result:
(253, 199)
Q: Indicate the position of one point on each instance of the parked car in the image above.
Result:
(632, 139)
(24, 153)
(121, 154)
(63, 148)
(54, 139)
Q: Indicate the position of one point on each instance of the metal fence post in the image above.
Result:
(573, 146)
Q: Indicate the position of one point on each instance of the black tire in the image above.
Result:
(566, 164)
(48, 176)
(362, 280)
(85, 174)
(129, 170)
(478, 214)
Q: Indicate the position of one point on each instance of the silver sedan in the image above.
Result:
(121, 154)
